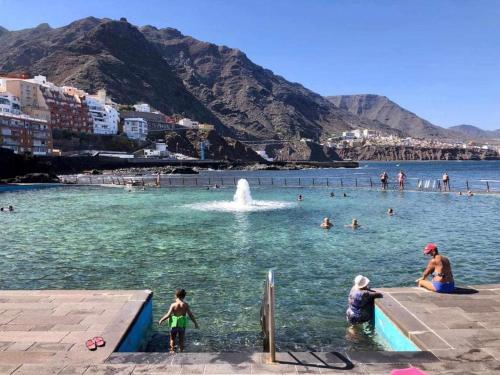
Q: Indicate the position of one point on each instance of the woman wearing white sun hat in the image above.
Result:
(361, 301)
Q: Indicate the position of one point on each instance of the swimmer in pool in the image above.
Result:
(390, 212)
(300, 197)
(354, 224)
(326, 224)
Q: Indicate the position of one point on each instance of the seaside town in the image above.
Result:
(32, 108)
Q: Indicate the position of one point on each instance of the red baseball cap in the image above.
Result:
(430, 247)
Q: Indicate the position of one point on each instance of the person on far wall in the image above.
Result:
(401, 179)
(446, 181)
(384, 180)
(361, 301)
(440, 269)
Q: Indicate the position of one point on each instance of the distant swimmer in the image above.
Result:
(384, 180)
(354, 224)
(326, 224)
(446, 181)
(390, 212)
(459, 193)
(11, 208)
(300, 197)
(1, 209)
(401, 179)
(470, 194)
(332, 194)
(345, 194)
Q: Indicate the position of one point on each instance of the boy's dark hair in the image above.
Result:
(180, 293)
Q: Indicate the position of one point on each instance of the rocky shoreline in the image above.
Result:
(401, 153)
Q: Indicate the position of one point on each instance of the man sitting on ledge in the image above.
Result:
(440, 268)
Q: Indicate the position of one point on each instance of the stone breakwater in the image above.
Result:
(389, 153)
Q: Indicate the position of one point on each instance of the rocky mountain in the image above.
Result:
(176, 74)
(246, 96)
(384, 110)
(473, 132)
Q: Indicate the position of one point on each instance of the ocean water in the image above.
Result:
(96, 238)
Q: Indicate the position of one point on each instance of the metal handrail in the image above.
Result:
(267, 317)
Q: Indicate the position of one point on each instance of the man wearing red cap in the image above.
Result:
(440, 268)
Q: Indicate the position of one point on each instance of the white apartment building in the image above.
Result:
(369, 133)
(104, 116)
(188, 123)
(142, 107)
(9, 104)
(135, 128)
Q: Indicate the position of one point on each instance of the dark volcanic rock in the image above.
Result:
(412, 153)
(219, 148)
(34, 178)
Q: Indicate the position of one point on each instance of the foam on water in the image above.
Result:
(242, 202)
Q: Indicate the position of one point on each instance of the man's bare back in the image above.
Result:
(442, 269)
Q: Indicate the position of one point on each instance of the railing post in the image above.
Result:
(285, 181)
(467, 184)
(313, 181)
(356, 182)
(222, 181)
(299, 181)
(371, 183)
(182, 181)
(234, 181)
(258, 179)
(327, 182)
(196, 181)
(272, 348)
(272, 181)
(341, 183)
(487, 186)
(209, 182)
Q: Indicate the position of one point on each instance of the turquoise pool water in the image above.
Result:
(108, 238)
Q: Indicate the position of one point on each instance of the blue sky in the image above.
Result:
(438, 58)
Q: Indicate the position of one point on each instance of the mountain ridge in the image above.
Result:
(176, 73)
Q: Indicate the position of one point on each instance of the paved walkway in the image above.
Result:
(462, 330)
(43, 332)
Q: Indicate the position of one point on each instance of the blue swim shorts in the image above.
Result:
(443, 287)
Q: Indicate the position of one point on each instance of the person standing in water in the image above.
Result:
(446, 181)
(440, 269)
(177, 319)
(401, 179)
(361, 301)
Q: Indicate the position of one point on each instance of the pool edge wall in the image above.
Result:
(395, 338)
(136, 335)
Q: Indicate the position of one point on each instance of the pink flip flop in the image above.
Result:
(91, 345)
(99, 341)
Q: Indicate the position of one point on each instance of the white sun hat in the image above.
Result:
(361, 281)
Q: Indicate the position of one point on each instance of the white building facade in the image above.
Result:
(135, 128)
(9, 104)
(104, 117)
(188, 123)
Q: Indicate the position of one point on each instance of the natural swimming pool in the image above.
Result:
(107, 238)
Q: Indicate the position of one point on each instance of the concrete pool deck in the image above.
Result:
(44, 332)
